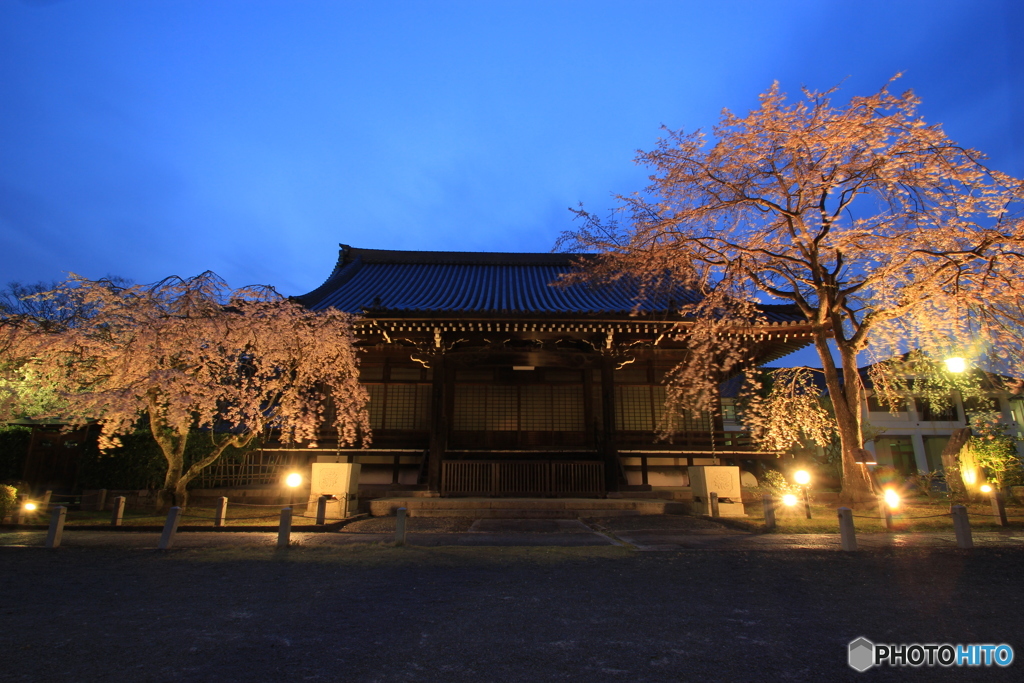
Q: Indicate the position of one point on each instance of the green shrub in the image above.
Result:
(775, 483)
(139, 462)
(8, 499)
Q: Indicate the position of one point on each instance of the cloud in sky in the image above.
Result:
(168, 137)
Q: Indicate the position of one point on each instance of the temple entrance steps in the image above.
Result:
(525, 508)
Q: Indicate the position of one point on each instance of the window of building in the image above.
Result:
(929, 414)
(399, 406)
(876, 406)
(933, 447)
(528, 407)
(898, 452)
(641, 408)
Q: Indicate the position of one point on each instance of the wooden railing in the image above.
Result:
(530, 478)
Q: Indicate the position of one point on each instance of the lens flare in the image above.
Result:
(293, 479)
(956, 364)
(892, 499)
(789, 499)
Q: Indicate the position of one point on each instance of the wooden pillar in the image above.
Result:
(608, 451)
(440, 390)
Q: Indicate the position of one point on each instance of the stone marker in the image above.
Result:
(337, 479)
(962, 527)
(847, 534)
(118, 512)
(284, 529)
(999, 507)
(53, 535)
(101, 500)
(769, 511)
(723, 480)
(885, 512)
(713, 497)
(400, 526)
(221, 517)
(170, 528)
(321, 508)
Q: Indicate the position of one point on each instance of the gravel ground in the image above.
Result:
(386, 525)
(657, 523)
(377, 613)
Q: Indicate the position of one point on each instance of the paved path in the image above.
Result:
(506, 533)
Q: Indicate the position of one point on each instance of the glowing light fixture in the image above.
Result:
(802, 477)
(789, 499)
(892, 499)
(293, 480)
(30, 507)
(985, 488)
(956, 364)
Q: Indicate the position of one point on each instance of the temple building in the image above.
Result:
(488, 379)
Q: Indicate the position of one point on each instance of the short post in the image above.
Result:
(807, 503)
(713, 497)
(221, 517)
(170, 528)
(60, 514)
(400, 527)
(101, 500)
(284, 529)
(847, 534)
(19, 506)
(118, 514)
(885, 513)
(999, 507)
(321, 508)
(769, 511)
(962, 527)
(45, 502)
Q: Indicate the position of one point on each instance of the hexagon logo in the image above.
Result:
(862, 654)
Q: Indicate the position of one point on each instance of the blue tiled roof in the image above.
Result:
(424, 282)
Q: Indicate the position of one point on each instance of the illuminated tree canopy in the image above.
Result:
(882, 231)
(185, 355)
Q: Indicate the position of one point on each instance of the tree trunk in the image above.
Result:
(857, 484)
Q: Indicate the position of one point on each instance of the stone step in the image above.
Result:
(524, 508)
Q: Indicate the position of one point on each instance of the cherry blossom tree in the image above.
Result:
(881, 231)
(191, 354)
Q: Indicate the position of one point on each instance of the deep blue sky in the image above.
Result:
(145, 138)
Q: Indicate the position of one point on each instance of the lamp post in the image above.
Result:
(293, 481)
(890, 501)
(803, 478)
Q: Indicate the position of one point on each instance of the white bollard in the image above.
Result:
(847, 534)
(57, 519)
(170, 528)
(284, 529)
(117, 516)
(769, 511)
(962, 527)
(400, 527)
(222, 512)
